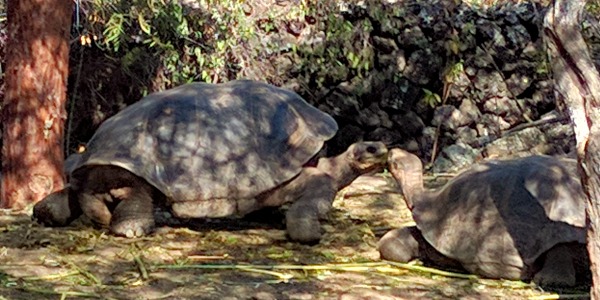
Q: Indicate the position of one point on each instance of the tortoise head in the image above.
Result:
(57, 209)
(365, 157)
(401, 162)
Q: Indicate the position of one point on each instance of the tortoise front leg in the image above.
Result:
(315, 192)
(558, 268)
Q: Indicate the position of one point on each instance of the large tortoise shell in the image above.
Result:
(204, 141)
(505, 213)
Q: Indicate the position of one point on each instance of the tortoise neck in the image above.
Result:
(339, 169)
(412, 187)
(408, 172)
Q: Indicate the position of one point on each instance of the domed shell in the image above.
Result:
(505, 213)
(204, 141)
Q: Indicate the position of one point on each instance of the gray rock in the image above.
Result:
(455, 157)
(505, 107)
(366, 119)
(413, 36)
(449, 117)
(341, 104)
(468, 136)
(483, 58)
(517, 83)
(491, 32)
(517, 36)
(520, 143)
(490, 84)
(427, 138)
(459, 86)
(494, 124)
(385, 135)
(470, 111)
(423, 66)
(347, 134)
(385, 45)
(373, 117)
(400, 61)
(409, 124)
(396, 95)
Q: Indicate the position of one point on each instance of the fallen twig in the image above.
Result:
(282, 277)
(141, 267)
(87, 274)
(51, 276)
(536, 123)
(433, 271)
(560, 296)
(208, 257)
(385, 267)
(275, 267)
(63, 294)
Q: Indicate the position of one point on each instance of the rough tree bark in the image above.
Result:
(34, 105)
(577, 83)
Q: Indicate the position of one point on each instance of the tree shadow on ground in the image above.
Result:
(204, 262)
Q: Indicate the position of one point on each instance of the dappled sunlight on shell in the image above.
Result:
(199, 142)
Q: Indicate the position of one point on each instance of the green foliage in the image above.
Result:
(344, 52)
(593, 7)
(192, 44)
(163, 43)
(542, 68)
(389, 18)
(431, 99)
(211, 41)
(453, 72)
(113, 32)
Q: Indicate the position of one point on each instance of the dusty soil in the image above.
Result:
(236, 259)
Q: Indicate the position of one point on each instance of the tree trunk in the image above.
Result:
(577, 83)
(34, 105)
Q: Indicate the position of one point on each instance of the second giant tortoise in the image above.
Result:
(210, 150)
(515, 219)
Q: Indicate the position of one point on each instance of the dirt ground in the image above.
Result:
(237, 259)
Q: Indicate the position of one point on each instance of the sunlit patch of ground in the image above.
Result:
(243, 259)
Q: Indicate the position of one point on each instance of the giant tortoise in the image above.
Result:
(210, 150)
(521, 219)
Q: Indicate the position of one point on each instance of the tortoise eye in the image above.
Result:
(372, 149)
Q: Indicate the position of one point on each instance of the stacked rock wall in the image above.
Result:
(459, 82)
(450, 80)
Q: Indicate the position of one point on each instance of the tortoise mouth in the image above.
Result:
(381, 157)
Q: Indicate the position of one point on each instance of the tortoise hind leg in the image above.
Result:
(560, 266)
(399, 245)
(407, 243)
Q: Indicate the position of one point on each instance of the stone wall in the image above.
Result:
(453, 83)
(463, 82)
